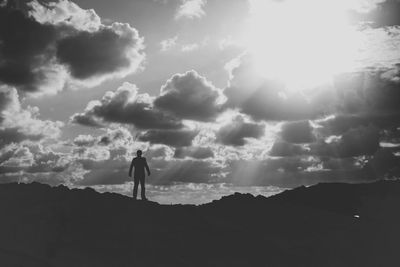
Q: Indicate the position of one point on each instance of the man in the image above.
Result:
(140, 164)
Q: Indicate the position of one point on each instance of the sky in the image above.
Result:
(221, 95)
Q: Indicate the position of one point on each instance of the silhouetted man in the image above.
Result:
(140, 164)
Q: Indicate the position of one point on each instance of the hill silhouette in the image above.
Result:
(322, 225)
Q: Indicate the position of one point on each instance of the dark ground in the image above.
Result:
(43, 226)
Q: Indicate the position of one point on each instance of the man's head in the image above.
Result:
(139, 153)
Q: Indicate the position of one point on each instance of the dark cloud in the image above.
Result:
(285, 149)
(341, 123)
(368, 92)
(14, 135)
(234, 133)
(350, 163)
(194, 152)
(190, 96)
(175, 138)
(125, 105)
(385, 14)
(363, 140)
(24, 48)
(297, 132)
(46, 41)
(391, 136)
(85, 119)
(384, 164)
(89, 54)
(358, 141)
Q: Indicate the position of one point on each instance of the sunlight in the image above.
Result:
(301, 43)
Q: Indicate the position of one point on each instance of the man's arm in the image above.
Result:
(130, 169)
(147, 167)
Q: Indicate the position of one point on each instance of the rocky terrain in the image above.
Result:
(322, 225)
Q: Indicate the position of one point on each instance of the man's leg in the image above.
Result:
(135, 187)
(143, 190)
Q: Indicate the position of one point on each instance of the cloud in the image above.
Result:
(104, 172)
(266, 99)
(297, 132)
(18, 124)
(162, 172)
(295, 171)
(90, 159)
(86, 157)
(368, 91)
(113, 137)
(187, 96)
(110, 50)
(169, 43)
(59, 43)
(270, 100)
(380, 13)
(115, 143)
(190, 96)
(84, 140)
(340, 125)
(127, 106)
(191, 9)
(104, 159)
(194, 152)
(15, 135)
(277, 172)
(285, 149)
(384, 164)
(363, 99)
(175, 138)
(387, 14)
(196, 171)
(190, 47)
(363, 140)
(24, 55)
(8, 100)
(159, 152)
(30, 158)
(349, 163)
(356, 141)
(85, 120)
(234, 133)
(65, 12)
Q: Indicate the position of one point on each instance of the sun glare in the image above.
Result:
(301, 43)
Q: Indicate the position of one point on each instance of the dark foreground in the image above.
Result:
(316, 226)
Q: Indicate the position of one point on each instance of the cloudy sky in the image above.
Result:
(221, 95)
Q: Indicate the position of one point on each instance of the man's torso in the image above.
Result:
(139, 165)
